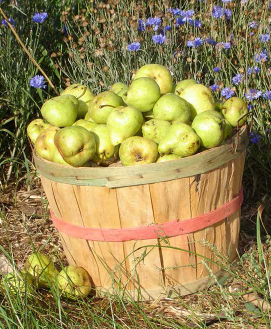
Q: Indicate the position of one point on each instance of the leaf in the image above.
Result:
(252, 308)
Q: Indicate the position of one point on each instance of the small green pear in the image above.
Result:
(168, 157)
(44, 144)
(119, 88)
(18, 283)
(74, 282)
(88, 118)
(89, 125)
(171, 107)
(200, 97)
(123, 122)
(84, 96)
(180, 140)
(155, 129)
(234, 109)
(137, 150)
(60, 111)
(209, 126)
(142, 94)
(159, 73)
(102, 104)
(42, 269)
(36, 127)
(76, 145)
(180, 87)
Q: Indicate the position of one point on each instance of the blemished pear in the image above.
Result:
(155, 129)
(84, 96)
(168, 157)
(159, 74)
(123, 122)
(41, 267)
(171, 107)
(76, 145)
(234, 109)
(142, 94)
(102, 104)
(18, 282)
(89, 125)
(180, 140)
(60, 111)
(137, 150)
(180, 87)
(209, 126)
(119, 88)
(36, 127)
(200, 97)
(74, 282)
(44, 144)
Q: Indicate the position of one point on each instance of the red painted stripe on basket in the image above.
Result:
(169, 229)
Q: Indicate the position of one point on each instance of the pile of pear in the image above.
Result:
(151, 120)
(39, 271)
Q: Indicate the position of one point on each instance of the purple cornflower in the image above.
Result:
(141, 25)
(180, 21)
(216, 69)
(195, 43)
(227, 92)
(261, 57)
(134, 46)
(250, 107)
(39, 17)
(37, 82)
(168, 28)
(267, 94)
(254, 138)
(214, 87)
(175, 11)
(223, 45)
(227, 13)
(264, 37)
(253, 25)
(210, 41)
(153, 21)
(186, 15)
(269, 5)
(159, 38)
(11, 21)
(237, 79)
(254, 69)
(217, 12)
(253, 94)
(226, 1)
(197, 23)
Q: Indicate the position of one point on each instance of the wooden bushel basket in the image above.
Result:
(113, 220)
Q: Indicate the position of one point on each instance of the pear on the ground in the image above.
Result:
(119, 88)
(36, 127)
(234, 109)
(18, 283)
(74, 282)
(200, 97)
(180, 140)
(209, 126)
(180, 87)
(89, 125)
(155, 129)
(159, 74)
(41, 267)
(84, 96)
(142, 94)
(137, 150)
(171, 107)
(60, 111)
(123, 122)
(76, 145)
(44, 144)
(102, 104)
(168, 157)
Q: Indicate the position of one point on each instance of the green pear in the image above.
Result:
(89, 125)
(200, 97)
(234, 109)
(42, 269)
(76, 145)
(180, 140)
(171, 107)
(142, 94)
(137, 150)
(123, 122)
(168, 157)
(57, 158)
(74, 282)
(227, 130)
(102, 104)
(35, 127)
(119, 88)
(180, 87)
(218, 105)
(159, 73)
(44, 144)
(209, 126)
(18, 283)
(88, 118)
(84, 96)
(105, 149)
(60, 111)
(155, 129)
